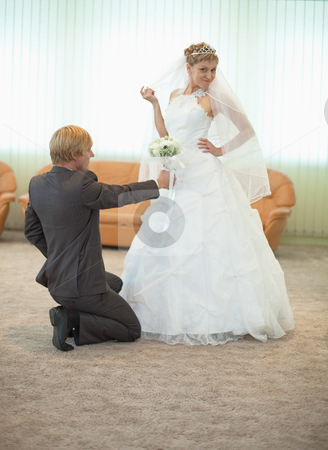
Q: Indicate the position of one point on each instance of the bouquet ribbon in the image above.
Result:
(178, 164)
(171, 187)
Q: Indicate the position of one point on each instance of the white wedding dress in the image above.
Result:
(205, 274)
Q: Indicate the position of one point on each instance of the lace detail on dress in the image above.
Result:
(193, 339)
(200, 93)
(185, 99)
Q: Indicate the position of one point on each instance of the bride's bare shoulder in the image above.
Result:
(174, 94)
(205, 103)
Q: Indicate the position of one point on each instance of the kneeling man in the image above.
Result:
(62, 221)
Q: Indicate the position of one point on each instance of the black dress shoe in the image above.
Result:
(58, 319)
(70, 332)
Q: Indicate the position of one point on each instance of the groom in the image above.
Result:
(62, 221)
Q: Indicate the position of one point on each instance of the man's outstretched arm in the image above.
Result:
(103, 196)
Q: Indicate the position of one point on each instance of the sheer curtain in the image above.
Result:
(83, 62)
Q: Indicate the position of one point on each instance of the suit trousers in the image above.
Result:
(103, 317)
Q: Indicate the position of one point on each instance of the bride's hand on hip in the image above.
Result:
(209, 147)
(148, 94)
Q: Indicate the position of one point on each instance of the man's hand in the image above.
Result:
(164, 179)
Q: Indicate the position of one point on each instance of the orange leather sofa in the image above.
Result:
(7, 189)
(275, 209)
(118, 226)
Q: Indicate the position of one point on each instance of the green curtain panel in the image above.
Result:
(83, 62)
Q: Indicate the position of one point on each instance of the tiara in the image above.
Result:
(204, 50)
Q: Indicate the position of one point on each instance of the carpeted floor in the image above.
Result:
(148, 395)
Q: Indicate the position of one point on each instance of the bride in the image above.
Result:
(200, 270)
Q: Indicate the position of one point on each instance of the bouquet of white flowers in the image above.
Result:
(163, 150)
(164, 147)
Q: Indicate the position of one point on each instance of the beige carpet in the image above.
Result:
(148, 395)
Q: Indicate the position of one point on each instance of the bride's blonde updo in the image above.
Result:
(195, 48)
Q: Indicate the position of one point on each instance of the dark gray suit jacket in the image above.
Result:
(62, 221)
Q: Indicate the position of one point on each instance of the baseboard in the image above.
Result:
(304, 240)
(289, 240)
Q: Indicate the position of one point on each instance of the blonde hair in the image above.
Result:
(194, 59)
(66, 140)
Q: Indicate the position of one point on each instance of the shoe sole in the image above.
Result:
(64, 347)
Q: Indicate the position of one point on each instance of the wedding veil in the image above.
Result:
(230, 130)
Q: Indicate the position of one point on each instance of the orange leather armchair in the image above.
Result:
(275, 209)
(118, 226)
(23, 199)
(7, 188)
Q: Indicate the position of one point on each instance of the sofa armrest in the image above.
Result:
(275, 225)
(279, 213)
(7, 197)
(23, 200)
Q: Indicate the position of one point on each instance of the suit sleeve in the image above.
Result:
(33, 230)
(104, 196)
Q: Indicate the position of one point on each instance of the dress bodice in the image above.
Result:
(186, 120)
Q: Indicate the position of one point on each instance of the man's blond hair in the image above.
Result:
(67, 140)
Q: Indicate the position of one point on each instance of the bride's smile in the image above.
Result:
(201, 75)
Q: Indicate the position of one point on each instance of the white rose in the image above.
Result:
(156, 150)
